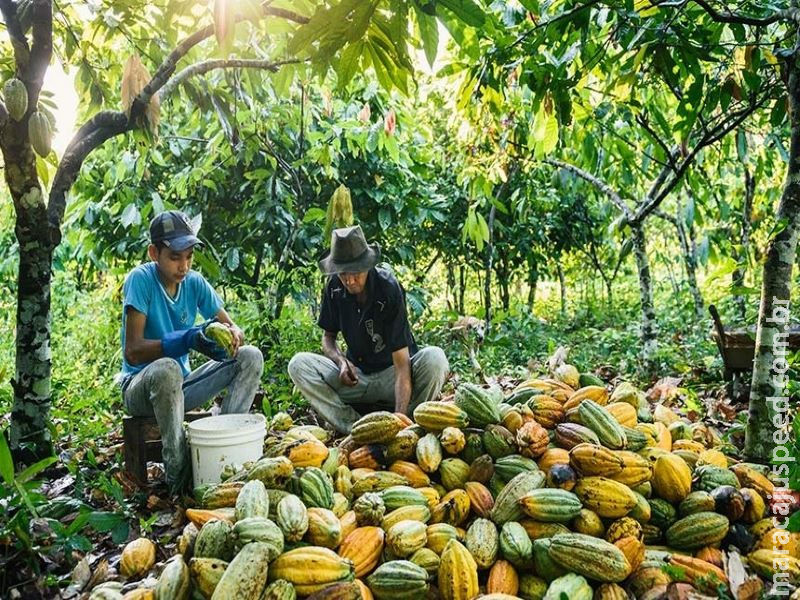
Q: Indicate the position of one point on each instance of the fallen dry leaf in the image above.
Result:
(751, 589)
(664, 390)
(724, 409)
(101, 574)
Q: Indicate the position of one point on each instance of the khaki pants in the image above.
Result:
(317, 378)
(160, 390)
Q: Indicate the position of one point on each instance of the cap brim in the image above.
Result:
(182, 242)
(364, 263)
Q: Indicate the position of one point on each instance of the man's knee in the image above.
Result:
(433, 360)
(298, 365)
(250, 359)
(165, 374)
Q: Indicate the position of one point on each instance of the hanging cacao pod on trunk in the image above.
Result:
(16, 97)
(40, 133)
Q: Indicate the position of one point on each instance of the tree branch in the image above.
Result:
(101, 127)
(18, 40)
(788, 14)
(108, 124)
(714, 135)
(641, 119)
(204, 67)
(41, 49)
(662, 177)
(565, 15)
(596, 182)
(167, 68)
(666, 216)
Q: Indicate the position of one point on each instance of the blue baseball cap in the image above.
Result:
(173, 229)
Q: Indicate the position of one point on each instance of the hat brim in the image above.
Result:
(183, 242)
(365, 262)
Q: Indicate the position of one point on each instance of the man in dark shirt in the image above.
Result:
(383, 369)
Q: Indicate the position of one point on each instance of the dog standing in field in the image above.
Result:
(470, 331)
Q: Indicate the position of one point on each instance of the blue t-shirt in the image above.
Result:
(144, 292)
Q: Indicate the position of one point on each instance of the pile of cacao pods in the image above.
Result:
(559, 488)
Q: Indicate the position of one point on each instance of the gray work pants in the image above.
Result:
(160, 390)
(317, 378)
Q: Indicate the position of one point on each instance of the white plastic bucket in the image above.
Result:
(215, 442)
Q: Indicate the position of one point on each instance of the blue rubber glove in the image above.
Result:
(209, 347)
(176, 344)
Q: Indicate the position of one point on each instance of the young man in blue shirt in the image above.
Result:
(383, 369)
(161, 302)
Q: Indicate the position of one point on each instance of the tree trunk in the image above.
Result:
(504, 280)
(562, 287)
(533, 280)
(462, 288)
(690, 263)
(773, 314)
(744, 242)
(29, 434)
(451, 286)
(488, 262)
(648, 330)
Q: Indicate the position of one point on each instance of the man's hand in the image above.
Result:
(208, 346)
(347, 373)
(402, 380)
(238, 338)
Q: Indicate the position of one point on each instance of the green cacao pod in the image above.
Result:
(697, 530)
(174, 581)
(215, 540)
(515, 545)
(40, 133)
(245, 575)
(572, 586)
(292, 518)
(259, 529)
(506, 506)
(479, 405)
(15, 95)
(483, 542)
(589, 556)
(252, 501)
(398, 580)
(279, 590)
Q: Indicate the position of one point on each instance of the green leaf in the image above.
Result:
(314, 214)
(348, 62)
(42, 170)
(380, 69)
(232, 259)
(6, 462)
(429, 34)
(466, 10)
(794, 523)
(282, 80)
(483, 228)
(385, 218)
(550, 140)
(741, 144)
(105, 521)
(130, 216)
(33, 470)
(120, 532)
(778, 228)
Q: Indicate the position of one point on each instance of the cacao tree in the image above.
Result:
(348, 36)
(768, 38)
(630, 103)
